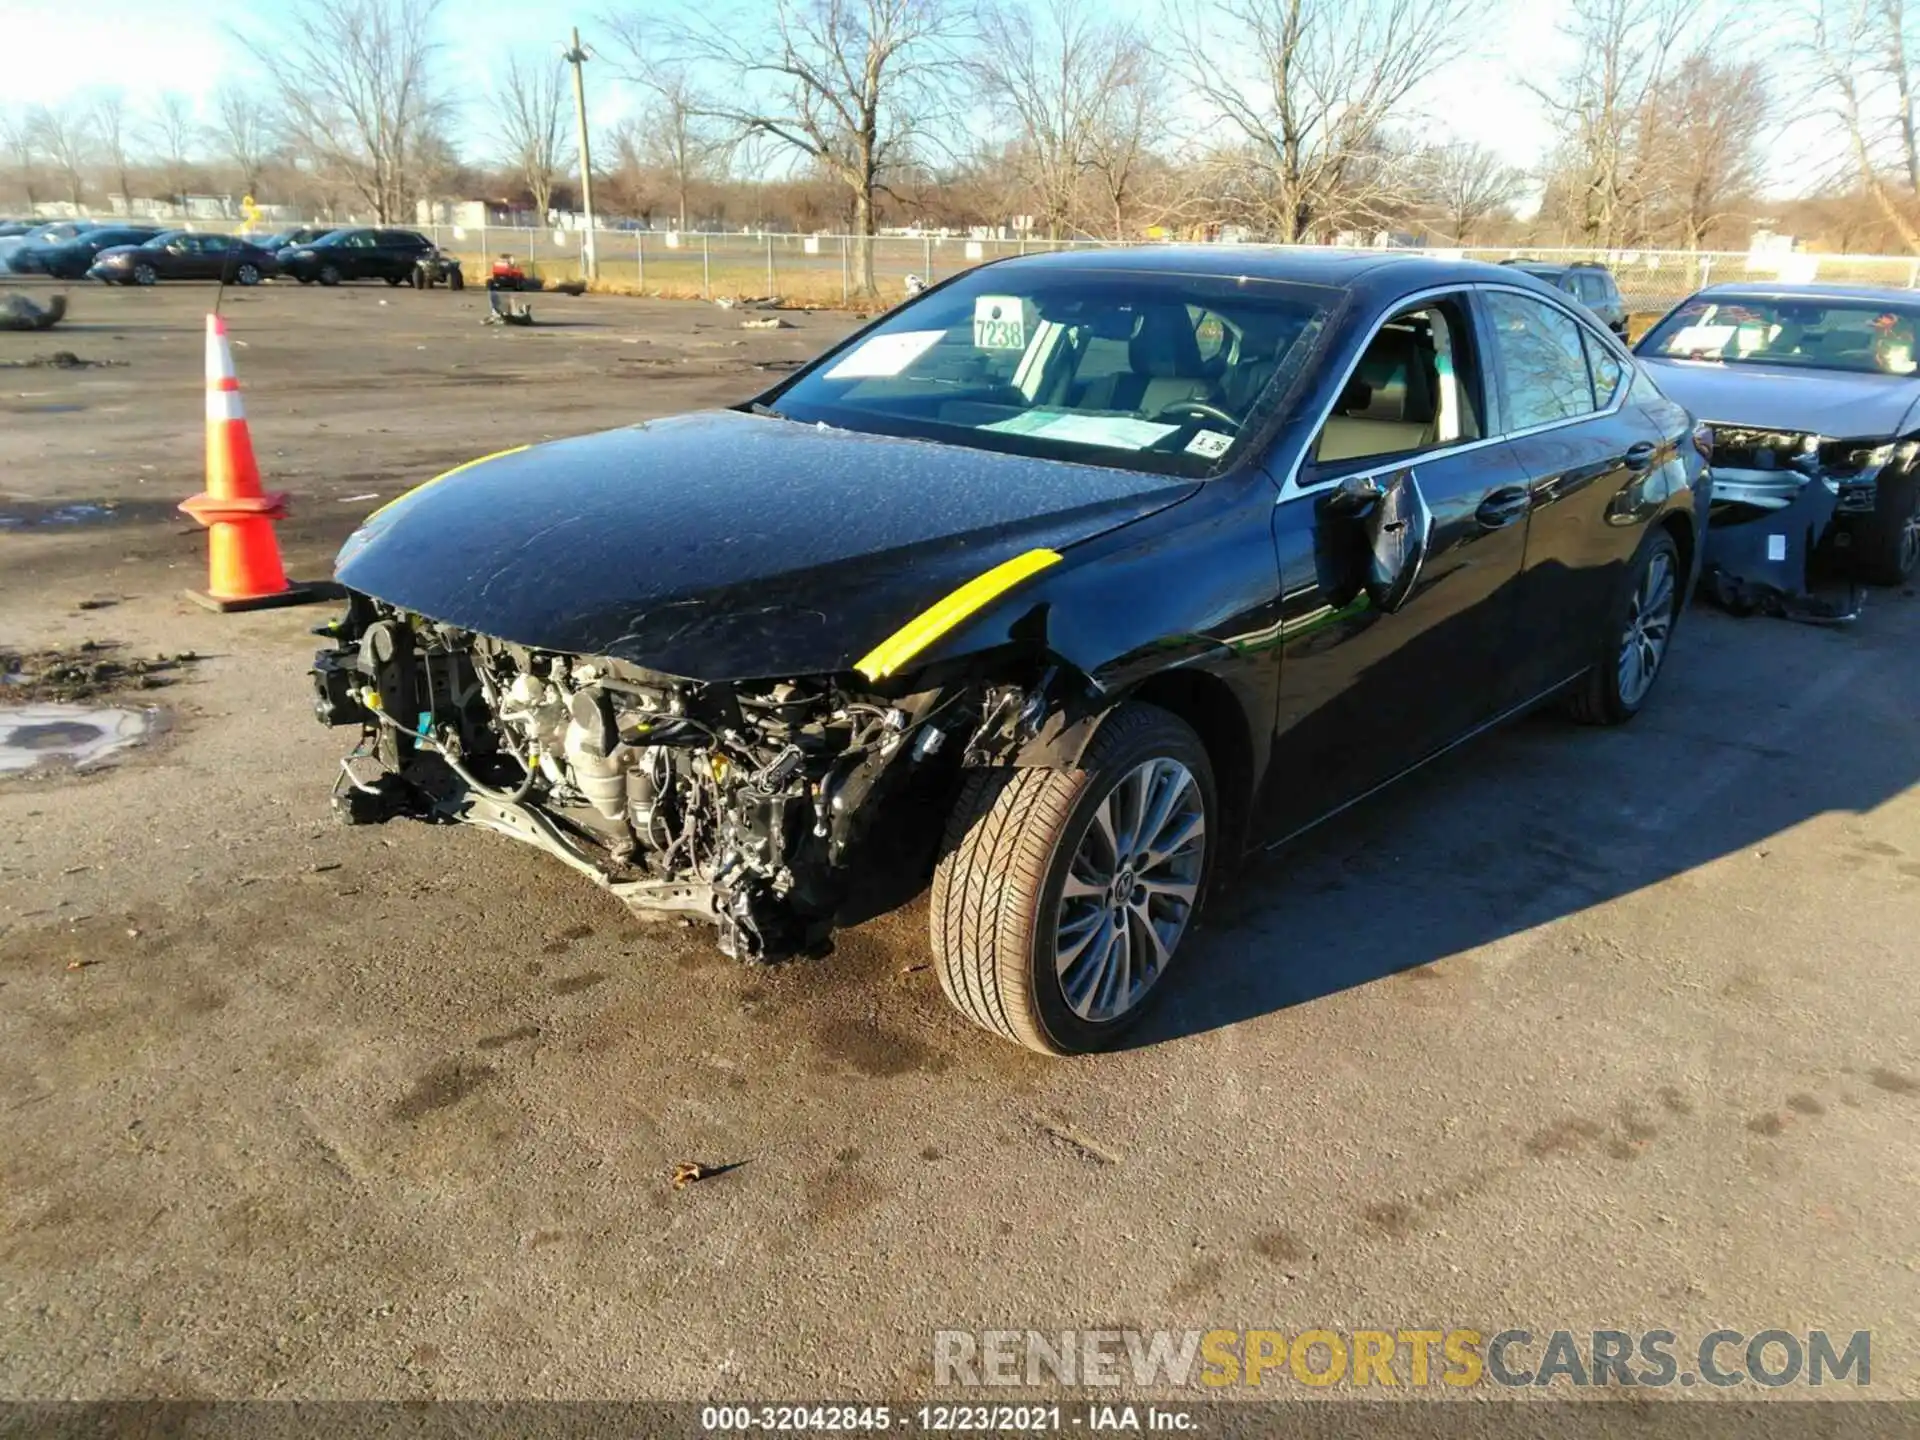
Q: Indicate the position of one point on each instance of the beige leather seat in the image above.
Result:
(1163, 367)
(1387, 407)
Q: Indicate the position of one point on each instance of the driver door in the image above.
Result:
(1391, 637)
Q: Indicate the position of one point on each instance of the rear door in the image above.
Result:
(398, 249)
(1561, 401)
(1365, 693)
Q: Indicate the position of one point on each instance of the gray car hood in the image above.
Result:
(1786, 397)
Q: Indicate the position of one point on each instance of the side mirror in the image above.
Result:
(1399, 535)
(1353, 496)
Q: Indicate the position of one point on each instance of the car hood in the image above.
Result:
(1787, 397)
(725, 546)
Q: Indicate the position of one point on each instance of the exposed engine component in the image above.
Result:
(745, 802)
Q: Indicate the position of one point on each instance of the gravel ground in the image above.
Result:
(1574, 1029)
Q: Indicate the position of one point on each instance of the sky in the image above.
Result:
(190, 48)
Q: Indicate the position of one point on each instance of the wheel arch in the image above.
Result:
(1680, 525)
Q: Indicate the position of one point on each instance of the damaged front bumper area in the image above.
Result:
(1782, 512)
(748, 803)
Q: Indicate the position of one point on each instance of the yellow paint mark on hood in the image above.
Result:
(446, 475)
(937, 619)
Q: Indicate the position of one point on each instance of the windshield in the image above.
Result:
(1861, 336)
(1143, 371)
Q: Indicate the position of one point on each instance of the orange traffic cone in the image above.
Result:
(243, 557)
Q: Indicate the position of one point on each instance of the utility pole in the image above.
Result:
(578, 57)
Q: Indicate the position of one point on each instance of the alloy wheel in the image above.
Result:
(1649, 625)
(247, 275)
(144, 275)
(1130, 889)
(1910, 541)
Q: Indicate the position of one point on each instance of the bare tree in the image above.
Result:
(529, 103)
(242, 131)
(679, 140)
(847, 84)
(1864, 81)
(107, 109)
(1468, 184)
(1307, 89)
(175, 134)
(22, 146)
(61, 134)
(356, 82)
(1604, 110)
(1121, 154)
(1053, 67)
(1712, 115)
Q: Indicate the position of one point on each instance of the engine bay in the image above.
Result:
(743, 802)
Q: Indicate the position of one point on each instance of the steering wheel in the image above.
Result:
(1199, 409)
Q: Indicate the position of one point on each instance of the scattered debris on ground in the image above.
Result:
(58, 360)
(17, 312)
(771, 322)
(85, 672)
(687, 1172)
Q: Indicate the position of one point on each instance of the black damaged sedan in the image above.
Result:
(1066, 583)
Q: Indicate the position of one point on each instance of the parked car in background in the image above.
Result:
(1813, 393)
(1588, 281)
(71, 259)
(299, 235)
(184, 255)
(388, 255)
(1064, 582)
(11, 228)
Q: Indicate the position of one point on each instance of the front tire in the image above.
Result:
(1062, 896)
(329, 275)
(1889, 548)
(145, 275)
(1638, 634)
(247, 275)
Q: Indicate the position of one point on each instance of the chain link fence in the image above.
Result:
(824, 269)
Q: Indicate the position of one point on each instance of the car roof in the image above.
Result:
(1877, 294)
(1375, 272)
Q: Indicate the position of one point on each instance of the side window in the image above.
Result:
(1416, 388)
(1542, 361)
(360, 240)
(1592, 292)
(1606, 367)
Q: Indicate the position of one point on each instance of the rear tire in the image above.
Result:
(1889, 548)
(1027, 879)
(247, 275)
(1638, 634)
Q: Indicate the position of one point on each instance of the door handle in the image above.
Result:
(1640, 456)
(1504, 506)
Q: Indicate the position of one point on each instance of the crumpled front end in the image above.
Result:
(1783, 504)
(748, 803)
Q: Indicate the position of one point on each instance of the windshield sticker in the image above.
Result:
(885, 355)
(1002, 322)
(1210, 443)
(1116, 432)
(1702, 337)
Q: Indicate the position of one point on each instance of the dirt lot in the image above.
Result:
(1577, 1029)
